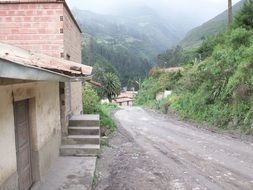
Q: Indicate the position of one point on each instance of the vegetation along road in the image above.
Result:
(151, 151)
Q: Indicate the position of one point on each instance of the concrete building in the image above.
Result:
(30, 121)
(48, 27)
(125, 98)
(40, 86)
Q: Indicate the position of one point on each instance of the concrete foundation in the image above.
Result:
(11, 183)
(70, 173)
(43, 159)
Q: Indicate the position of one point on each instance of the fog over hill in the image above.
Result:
(183, 14)
(214, 26)
(125, 37)
(141, 27)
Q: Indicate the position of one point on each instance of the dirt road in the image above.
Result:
(156, 152)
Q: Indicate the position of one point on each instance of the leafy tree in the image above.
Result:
(244, 18)
(111, 86)
(115, 59)
(92, 56)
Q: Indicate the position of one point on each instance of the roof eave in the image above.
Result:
(9, 69)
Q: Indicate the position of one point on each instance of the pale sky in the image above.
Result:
(201, 10)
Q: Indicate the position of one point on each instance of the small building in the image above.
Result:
(40, 86)
(125, 98)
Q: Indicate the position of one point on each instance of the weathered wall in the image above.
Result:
(72, 51)
(8, 164)
(45, 126)
(72, 38)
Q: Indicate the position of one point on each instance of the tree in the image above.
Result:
(230, 12)
(111, 86)
(92, 52)
(244, 17)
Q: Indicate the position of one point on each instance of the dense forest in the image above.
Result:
(217, 86)
(117, 60)
(126, 43)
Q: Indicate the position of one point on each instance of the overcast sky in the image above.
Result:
(201, 10)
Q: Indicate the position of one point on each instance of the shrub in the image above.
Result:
(154, 84)
(105, 116)
(219, 89)
(239, 37)
(91, 105)
(90, 100)
(244, 17)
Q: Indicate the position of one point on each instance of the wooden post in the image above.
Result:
(230, 13)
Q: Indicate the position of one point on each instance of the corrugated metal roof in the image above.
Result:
(24, 57)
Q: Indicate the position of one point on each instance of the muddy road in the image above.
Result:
(151, 151)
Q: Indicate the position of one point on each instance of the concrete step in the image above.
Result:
(80, 150)
(84, 130)
(81, 139)
(84, 120)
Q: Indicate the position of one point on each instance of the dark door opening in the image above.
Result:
(23, 144)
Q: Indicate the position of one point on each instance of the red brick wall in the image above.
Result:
(72, 38)
(35, 26)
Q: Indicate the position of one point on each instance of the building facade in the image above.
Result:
(47, 27)
(37, 94)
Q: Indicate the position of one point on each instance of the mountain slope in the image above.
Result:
(212, 27)
(142, 32)
(128, 44)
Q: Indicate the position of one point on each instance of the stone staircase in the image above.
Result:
(83, 136)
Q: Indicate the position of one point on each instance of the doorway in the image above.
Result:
(23, 144)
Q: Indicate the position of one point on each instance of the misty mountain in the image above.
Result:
(214, 26)
(139, 30)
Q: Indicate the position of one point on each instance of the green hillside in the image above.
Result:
(125, 45)
(216, 89)
(145, 34)
(212, 27)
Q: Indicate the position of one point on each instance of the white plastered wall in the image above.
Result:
(45, 121)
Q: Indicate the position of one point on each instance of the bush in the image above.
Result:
(244, 18)
(154, 84)
(240, 37)
(91, 105)
(219, 89)
(90, 100)
(105, 116)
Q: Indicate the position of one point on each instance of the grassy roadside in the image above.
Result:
(92, 105)
(108, 125)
